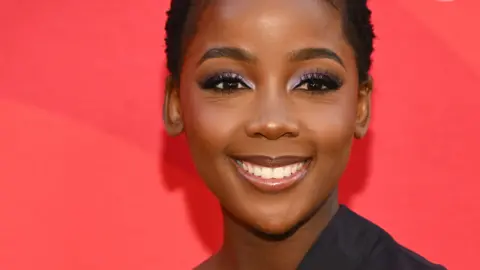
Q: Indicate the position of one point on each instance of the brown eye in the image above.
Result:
(319, 82)
(229, 84)
(224, 82)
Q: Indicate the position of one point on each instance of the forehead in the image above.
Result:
(275, 24)
(235, 6)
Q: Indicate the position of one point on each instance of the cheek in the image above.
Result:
(209, 124)
(331, 126)
(334, 130)
(209, 127)
(330, 130)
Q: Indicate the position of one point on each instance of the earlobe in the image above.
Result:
(172, 117)
(363, 108)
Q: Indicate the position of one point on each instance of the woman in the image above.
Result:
(270, 95)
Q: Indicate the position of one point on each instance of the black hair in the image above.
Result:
(357, 27)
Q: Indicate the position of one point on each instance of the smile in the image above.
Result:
(272, 178)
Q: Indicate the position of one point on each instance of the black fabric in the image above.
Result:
(351, 242)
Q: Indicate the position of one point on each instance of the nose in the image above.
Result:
(272, 119)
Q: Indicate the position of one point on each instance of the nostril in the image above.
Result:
(272, 130)
(259, 135)
(291, 134)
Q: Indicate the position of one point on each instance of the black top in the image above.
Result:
(350, 242)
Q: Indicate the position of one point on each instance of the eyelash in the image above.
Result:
(325, 82)
(214, 82)
(322, 81)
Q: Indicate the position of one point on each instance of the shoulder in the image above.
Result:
(393, 256)
(384, 252)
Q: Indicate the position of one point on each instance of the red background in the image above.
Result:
(89, 181)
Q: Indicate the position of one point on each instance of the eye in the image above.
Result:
(227, 82)
(320, 82)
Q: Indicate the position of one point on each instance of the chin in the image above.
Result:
(276, 230)
(278, 223)
(282, 221)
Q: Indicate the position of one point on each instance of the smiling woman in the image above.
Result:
(270, 95)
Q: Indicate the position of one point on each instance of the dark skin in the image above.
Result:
(292, 90)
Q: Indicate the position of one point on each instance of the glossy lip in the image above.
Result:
(272, 185)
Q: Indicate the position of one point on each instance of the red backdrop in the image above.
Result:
(88, 179)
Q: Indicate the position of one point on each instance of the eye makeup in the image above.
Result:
(225, 81)
(317, 81)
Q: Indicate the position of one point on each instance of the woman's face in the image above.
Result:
(269, 99)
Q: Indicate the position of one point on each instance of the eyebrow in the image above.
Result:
(228, 52)
(315, 53)
(240, 54)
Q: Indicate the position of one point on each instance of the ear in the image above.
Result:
(363, 108)
(172, 117)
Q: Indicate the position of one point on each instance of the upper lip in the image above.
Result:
(268, 161)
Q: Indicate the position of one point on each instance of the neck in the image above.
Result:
(242, 249)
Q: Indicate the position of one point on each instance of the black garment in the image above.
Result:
(350, 242)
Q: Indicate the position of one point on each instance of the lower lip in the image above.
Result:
(273, 184)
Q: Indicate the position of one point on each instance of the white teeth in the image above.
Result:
(244, 166)
(288, 170)
(269, 173)
(257, 171)
(278, 173)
